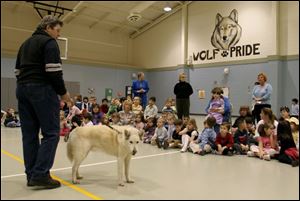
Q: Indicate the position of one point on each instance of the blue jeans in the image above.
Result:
(13, 124)
(38, 106)
(217, 128)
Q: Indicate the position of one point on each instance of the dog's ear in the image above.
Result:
(234, 15)
(141, 134)
(218, 18)
(127, 134)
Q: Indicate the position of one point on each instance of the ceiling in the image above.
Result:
(105, 15)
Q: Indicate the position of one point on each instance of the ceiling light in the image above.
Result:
(167, 8)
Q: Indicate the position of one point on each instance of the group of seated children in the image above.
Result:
(9, 118)
(269, 139)
(120, 112)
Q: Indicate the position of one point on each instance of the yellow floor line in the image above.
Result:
(76, 188)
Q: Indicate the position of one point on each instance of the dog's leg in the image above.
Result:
(78, 176)
(120, 170)
(75, 172)
(77, 161)
(127, 165)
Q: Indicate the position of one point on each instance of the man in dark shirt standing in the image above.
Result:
(39, 82)
(183, 90)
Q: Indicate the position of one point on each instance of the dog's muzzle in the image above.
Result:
(134, 151)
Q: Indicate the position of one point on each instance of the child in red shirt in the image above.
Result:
(224, 140)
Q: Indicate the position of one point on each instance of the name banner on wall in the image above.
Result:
(226, 35)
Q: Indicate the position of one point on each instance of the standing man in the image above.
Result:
(39, 82)
(140, 88)
(183, 90)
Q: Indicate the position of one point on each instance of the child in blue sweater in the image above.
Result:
(205, 142)
(160, 135)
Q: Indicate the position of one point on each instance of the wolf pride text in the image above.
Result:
(236, 51)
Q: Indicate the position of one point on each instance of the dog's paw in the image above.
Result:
(79, 177)
(76, 182)
(121, 184)
(130, 181)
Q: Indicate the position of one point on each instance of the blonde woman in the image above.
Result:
(126, 115)
(261, 95)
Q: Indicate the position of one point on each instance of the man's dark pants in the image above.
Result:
(38, 107)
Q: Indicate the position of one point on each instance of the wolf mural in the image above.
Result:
(227, 31)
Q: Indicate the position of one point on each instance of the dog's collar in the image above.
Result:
(119, 132)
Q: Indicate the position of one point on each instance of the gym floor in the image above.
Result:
(158, 174)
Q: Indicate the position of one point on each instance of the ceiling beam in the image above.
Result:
(101, 18)
(119, 12)
(158, 20)
(15, 8)
(142, 6)
(74, 11)
(72, 17)
(96, 6)
(137, 9)
(107, 22)
(122, 26)
(155, 9)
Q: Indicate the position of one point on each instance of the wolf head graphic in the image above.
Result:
(227, 31)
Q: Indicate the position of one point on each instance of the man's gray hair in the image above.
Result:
(49, 20)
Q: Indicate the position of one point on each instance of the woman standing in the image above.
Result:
(261, 95)
(183, 90)
(140, 88)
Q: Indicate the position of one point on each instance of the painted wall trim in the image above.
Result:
(99, 64)
(218, 64)
(90, 63)
(96, 63)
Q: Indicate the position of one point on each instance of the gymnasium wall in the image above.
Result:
(158, 52)
(98, 78)
(89, 46)
(272, 28)
(282, 75)
(273, 25)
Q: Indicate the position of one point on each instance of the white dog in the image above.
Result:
(120, 141)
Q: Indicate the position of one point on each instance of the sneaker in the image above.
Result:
(166, 145)
(267, 157)
(214, 152)
(29, 184)
(183, 150)
(250, 153)
(230, 153)
(47, 183)
(158, 143)
(295, 163)
(202, 153)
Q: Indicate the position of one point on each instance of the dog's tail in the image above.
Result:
(70, 146)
